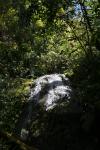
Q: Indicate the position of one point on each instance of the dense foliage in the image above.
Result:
(40, 37)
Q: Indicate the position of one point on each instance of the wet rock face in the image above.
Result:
(49, 90)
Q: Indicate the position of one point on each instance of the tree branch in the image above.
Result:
(14, 140)
(85, 14)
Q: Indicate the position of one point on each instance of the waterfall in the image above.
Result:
(47, 91)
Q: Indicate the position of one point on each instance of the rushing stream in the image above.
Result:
(47, 91)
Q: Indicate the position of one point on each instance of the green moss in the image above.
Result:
(19, 87)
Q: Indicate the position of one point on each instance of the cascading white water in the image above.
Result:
(47, 91)
(55, 86)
